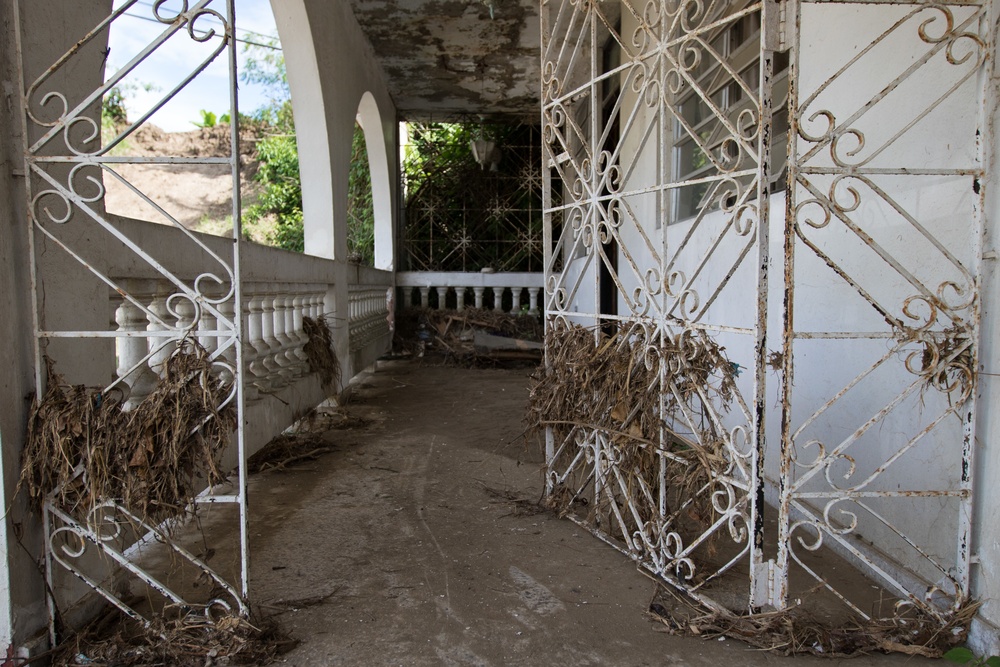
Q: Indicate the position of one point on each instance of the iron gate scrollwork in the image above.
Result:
(826, 419)
(68, 163)
(656, 136)
(885, 214)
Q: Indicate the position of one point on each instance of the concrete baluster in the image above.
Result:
(132, 351)
(460, 298)
(498, 299)
(227, 350)
(478, 294)
(425, 293)
(160, 347)
(256, 348)
(186, 314)
(207, 322)
(278, 334)
(299, 305)
(291, 336)
(533, 300)
(442, 293)
(267, 322)
(515, 304)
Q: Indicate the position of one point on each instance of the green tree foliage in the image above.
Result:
(279, 207)
(280, 201)
(208, 119)
(113, 107)
(360, 207)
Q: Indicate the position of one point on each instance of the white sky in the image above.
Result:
(181, 55)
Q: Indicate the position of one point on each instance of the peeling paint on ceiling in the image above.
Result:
(447, 58)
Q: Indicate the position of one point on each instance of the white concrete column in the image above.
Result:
(460, 298)
(478, 295)
(186, 312)
(299, 306)
(291, 334)
(498, 299)
(282, 340)
(442, 296)
(424, 300)
(268, 322)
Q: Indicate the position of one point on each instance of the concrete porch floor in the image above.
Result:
(421, 562)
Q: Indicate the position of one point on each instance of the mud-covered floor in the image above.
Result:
(402, 546)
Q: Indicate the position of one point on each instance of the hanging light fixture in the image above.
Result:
(486, 153)
(484, 150)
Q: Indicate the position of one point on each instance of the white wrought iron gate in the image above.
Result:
(813, 363)
(68, 164)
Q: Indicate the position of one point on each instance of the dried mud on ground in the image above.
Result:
(418, 541)
(402, 529)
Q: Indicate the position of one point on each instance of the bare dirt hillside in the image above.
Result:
(197, 196)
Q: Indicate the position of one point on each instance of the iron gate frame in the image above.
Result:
(937, 602)
(569, 47)
(752, 206)
(103, 524)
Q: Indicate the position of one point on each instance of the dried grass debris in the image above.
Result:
(796, 631)
(191, 640)
(451, 333)
(518, 506)
(83, 447)
(319, 352)
(286, 450)
(633, 385)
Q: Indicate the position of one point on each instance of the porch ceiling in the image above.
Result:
(447, 58)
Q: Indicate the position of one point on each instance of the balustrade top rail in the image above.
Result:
(463, 279)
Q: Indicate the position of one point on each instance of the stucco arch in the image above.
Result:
(305, 84)
(370, 121)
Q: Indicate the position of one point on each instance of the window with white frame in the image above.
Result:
(703, 146)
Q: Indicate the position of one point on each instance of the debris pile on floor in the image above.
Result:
(472, 336)
(795, 631)
(187, 641)
(304, 442)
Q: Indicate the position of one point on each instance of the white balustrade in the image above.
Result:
(274, 340)
(488, 289)
(368, 309)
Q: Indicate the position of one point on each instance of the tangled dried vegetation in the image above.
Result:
(796, 631)
(187, 641)
(319, 352)
(306, 443)
(612, 383)
(84, 447)
(452, 333)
